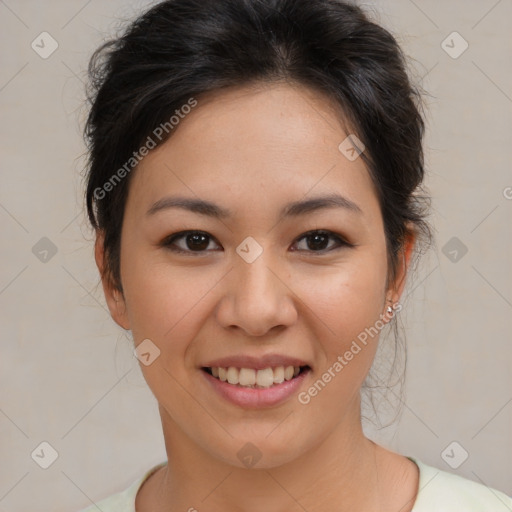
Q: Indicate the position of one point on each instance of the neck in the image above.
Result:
(340, 473)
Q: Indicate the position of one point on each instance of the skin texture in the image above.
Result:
(252, 150)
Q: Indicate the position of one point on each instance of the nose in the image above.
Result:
(257, 297)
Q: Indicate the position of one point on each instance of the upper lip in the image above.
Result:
(257, 363)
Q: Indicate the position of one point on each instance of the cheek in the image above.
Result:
(347, 299)
(350, 307)
(166, 303)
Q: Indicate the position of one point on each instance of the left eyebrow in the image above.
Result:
(293, 209)
(317, 203)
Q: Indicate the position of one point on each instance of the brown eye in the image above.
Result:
(318, 241)
(193, 241)
(197, 241)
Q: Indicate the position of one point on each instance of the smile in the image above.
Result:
(252, 378)
(250, 388)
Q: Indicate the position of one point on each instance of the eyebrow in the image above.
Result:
(293, 209)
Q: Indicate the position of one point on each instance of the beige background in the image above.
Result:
(67, 375)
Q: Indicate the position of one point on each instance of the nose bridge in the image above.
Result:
(259, 300)
(255, 280)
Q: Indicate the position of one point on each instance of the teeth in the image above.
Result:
(233, 375)
(249, 377)
(288, 373)
(279, 375)
(265, 378)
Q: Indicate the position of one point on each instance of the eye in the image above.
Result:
(319, 238)
(198, 241)
(195, 242)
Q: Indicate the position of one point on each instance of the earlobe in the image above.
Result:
(114, 297)
(395, 291)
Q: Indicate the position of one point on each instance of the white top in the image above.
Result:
(439, 491)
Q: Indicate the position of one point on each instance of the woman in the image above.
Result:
(254, 178)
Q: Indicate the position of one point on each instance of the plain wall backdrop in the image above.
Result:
(67, 373)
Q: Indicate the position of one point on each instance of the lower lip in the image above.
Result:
(256, 398)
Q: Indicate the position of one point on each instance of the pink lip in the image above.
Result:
(257, 363)
(256, 398)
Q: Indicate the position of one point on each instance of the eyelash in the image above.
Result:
(170, 240)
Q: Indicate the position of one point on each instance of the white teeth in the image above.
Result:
(249, 377)
(279, 375)
(233, 375)
(265, 378)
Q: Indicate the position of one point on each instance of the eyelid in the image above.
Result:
(340, 241)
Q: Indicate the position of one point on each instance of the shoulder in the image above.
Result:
(123, 501)
(441, 491)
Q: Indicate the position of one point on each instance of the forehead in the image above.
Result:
(255, 145)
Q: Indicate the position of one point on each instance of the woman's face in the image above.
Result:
(251, 286)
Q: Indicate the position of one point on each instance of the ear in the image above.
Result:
(396, 289)
(114, 297)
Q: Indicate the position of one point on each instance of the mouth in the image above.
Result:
(256, 378)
